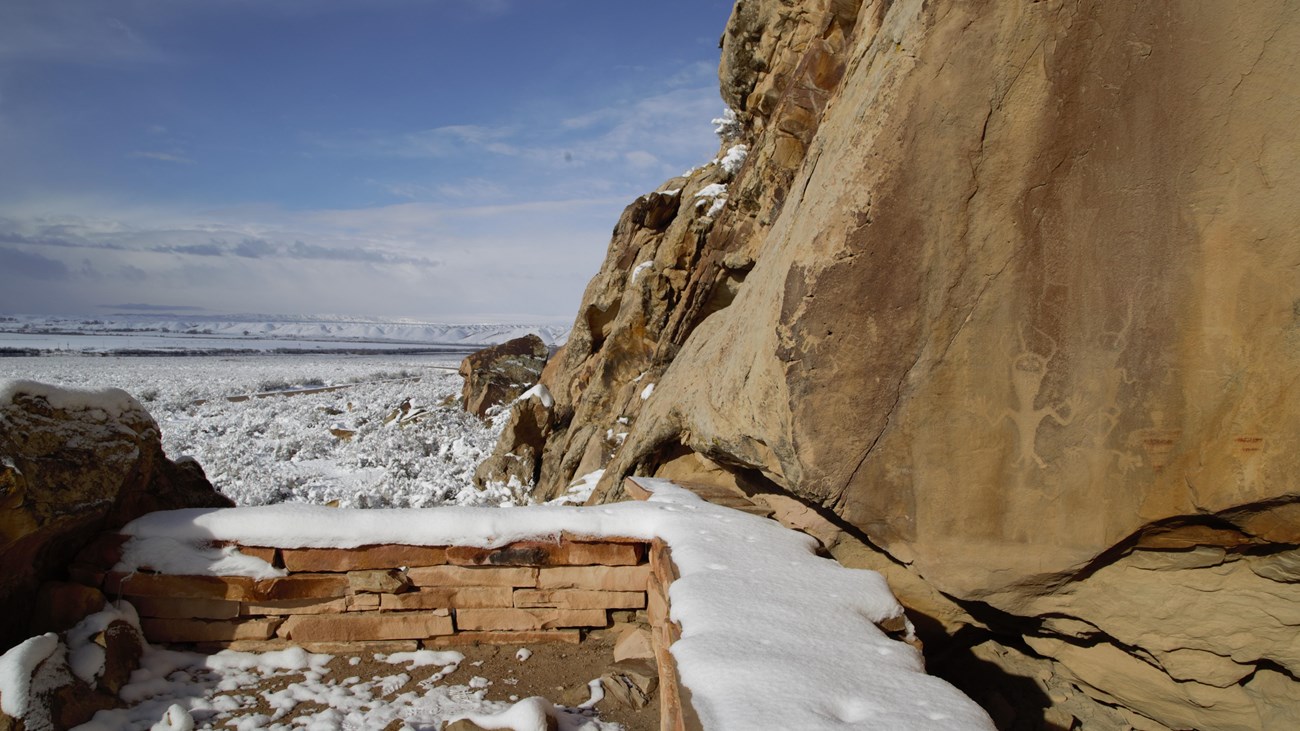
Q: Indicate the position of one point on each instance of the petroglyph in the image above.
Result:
(1028, 369)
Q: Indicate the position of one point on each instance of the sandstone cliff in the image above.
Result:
(1006, 295)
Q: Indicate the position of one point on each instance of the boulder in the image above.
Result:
(74, 464)
(500, 373)
(1004, 292)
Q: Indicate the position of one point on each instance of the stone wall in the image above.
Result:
(397, 598)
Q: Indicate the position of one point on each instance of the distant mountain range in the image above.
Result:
(259, 332)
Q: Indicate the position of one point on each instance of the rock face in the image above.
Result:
(501, 373)
(1005, 293)
(72, 465)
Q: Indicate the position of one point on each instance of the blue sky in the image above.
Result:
(460, 159)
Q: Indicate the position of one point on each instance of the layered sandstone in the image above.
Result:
(1003, 298)
(500, 373)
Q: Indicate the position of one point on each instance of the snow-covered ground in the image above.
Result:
(173, 333)
(392, 437)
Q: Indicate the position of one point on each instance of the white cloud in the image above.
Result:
(77, 31)
(162, 156)
(406, 259)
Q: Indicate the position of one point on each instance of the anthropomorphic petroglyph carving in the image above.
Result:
(1028, 369)
(1101, 401)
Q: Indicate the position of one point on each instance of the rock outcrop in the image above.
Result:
(72, 465)
(500, 373)
(1004, 294)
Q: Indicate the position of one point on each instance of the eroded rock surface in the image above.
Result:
(1005, 294)
(500, 373)
(72, 465)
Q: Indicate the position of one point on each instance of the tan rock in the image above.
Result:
(235, 588)
(443, 576)
(361, 602)
(455, 597)
(366, 557)
(604, 554)
(303, 586)
(603, 578)
(296, 606)
(200, 630)
(377, 581)
(1007, 288)
(500, 373)
(579, 599)
(656, 602)
(60, 605)
(330, 648)
(542, 553)
(524, 620)
(266, 553)
(634, 644)
(73, 466)
(565, 636)
(631, 683)
(165, 607)
(366, 626)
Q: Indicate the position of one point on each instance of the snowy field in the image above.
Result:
(188, 333)
(391, 436)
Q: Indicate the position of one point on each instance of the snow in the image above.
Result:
(580, 489)
(539, 392)
(647, 391)
(447, 659)
(768, 627)
(16, 669)
(597, 690)
(734, 158)
(167, 556)
(190, 333)
(85, 657)
(173, 691)
(280, 448)
(636, 271)
(712, 190)
(113, 402)
(715, 192)
(727, 127)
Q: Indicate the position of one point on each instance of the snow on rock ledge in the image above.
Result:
(753, 601)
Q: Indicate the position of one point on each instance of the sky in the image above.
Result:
(442, 159)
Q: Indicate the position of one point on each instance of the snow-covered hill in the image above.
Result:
(188, 332)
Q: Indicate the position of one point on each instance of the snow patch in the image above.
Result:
(539, 392)
(734, 158)
(16, 669)
(727, 127)
(580, 489)
(636, 272)
(113, 402)
(645, 392)
(168, 556)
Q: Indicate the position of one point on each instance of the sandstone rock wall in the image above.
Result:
(73, 464)
(499, 373)
(1008, 292)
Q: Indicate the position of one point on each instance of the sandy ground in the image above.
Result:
(558, 672)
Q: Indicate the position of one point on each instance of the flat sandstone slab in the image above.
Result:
(439, 576)
(366, 626)
(529, 619)
(603, 578)
(365, 557)
(580, 599)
